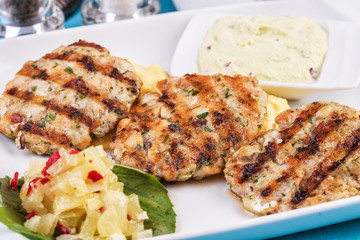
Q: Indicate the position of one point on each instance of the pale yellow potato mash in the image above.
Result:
(150, 76)
(281, 49)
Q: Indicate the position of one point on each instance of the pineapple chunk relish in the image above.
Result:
(77, 195)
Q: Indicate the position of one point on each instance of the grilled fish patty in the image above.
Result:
(67, 95)
(312, 158)
(192, 127)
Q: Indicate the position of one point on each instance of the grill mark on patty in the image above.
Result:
(337, 157)
(272, 147)
(246, 98)
(69, 111)
(220, 113)
(92, 65)
(319, 134)
(76, 84)
(298, 123)
(88, 63)
(247, 103)
(32, 128)
(82, 43)
(80, 86)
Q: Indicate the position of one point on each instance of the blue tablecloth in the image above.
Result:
(75, 20)
(347, 230)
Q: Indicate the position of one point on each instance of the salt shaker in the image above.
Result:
(20, 17)
(102, 11)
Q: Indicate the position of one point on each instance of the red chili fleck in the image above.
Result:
(102, 209)
(14, 181)
(129, 217)
(227, 64)
(50, 162)
(63, 229)
(90, 161)
(30, 215)
(94, 176)
(16, 118)
(73, 151)
(44, 180)
(32, 185)
(208, 47)
(84, 154)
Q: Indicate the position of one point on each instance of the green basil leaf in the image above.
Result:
(10, 198)
(15, 222)
(153, 198)
(12, 214)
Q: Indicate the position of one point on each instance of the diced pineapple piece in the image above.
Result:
(117, 236)
(34, 200)
(109, 177)
(141, 235)
(96, 187)
(89, 227)
(109, 223)
(82, 169)
(118, 186)
(35, 167)
(66, 162)
(92, 205)
(134, 227)
(71, 183)
(68, 237)
(98, 157)
(64, 203)
(72, 218)
(135, 210)
(95, 203)
(33, 223)
(47, 224)
(120, 201)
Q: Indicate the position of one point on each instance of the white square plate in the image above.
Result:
(340, 70)
(205, 209)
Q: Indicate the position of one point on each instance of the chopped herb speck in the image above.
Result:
(41, 123)
(191, 92)
(119, 112)
(69, 70)
(227, 94)
(202, 115)
(145, 130)
(208, 162)
(166, 138)
(34, 88)
(207, 129)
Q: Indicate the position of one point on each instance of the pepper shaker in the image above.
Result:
(21, 17)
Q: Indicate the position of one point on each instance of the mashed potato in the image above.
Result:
(275, 106)
(281, 49)
(150, 76)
